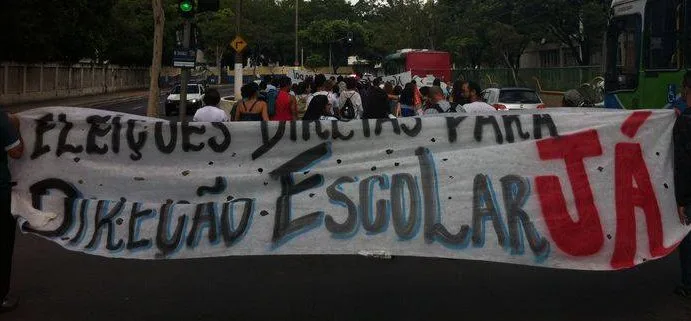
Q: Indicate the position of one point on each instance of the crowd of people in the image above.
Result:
(343, 98)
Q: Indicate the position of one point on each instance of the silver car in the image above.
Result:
(513, 98)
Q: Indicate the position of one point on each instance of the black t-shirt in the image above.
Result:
(9, 138)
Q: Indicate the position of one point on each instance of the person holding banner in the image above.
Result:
(319, 83)
(210, 112)
(11, 141)
(319, 109)
(682, 181)
(472, 92)
(286, 105)
(409, 106)
(457, 95)
(251, 108)
(350, 101)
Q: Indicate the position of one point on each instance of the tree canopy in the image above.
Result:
(477, 33)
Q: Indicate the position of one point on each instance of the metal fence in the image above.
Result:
(550, 79)
(21, 83)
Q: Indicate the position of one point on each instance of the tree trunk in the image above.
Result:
(219, 56)
(154, 90)
(511, 66)
(585, 52)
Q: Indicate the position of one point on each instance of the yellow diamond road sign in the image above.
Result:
(238, 44)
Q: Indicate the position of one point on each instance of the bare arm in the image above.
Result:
(236, 117)
(265, 112)
(16, 151)
(294, 107)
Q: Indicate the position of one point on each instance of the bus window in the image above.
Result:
(622, 55)
(663, 31)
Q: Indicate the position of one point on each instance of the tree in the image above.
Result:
(509, 44)
(411, 21)
(54, 30)
(331, 36)
(154, 91)
(217, 32)
(314, 61)
(578, 24)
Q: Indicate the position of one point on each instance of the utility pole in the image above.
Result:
(185, 76)
(297, 62)
(238, 55)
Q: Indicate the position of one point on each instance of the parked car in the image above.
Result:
(195, 95)
(513, 98)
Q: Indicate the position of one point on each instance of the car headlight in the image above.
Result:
(194, 101)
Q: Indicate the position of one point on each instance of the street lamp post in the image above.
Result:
(297, 62)
(237, 83)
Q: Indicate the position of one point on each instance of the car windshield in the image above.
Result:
(519, 97)
(191, 89)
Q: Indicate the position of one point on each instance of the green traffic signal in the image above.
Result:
(186, 6)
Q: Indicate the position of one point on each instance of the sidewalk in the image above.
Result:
(90, 101)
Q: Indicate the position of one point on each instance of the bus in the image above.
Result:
(420, 62)
(646, 53)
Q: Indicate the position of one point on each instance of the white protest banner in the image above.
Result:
(399, 79)
(575, 189)
(298, 76)
(404, 78)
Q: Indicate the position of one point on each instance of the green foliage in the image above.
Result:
(315, 61)
(217, 31)
(53, 30)
(477, 32)
(576, 24)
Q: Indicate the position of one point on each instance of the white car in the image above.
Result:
(513, 98)
(195, 97)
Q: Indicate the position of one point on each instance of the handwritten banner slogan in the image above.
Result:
(573, 189)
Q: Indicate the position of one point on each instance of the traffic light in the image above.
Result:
(186, 8)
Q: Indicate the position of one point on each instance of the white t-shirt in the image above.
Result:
(210, 114)
(479, 107)
(332, 98)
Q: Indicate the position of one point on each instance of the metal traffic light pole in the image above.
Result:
(188, 9)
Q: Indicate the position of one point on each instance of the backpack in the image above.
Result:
(270, 97)
(348, 110)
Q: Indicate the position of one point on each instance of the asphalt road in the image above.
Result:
(133, 102)
(55, 284)
(138, 106)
